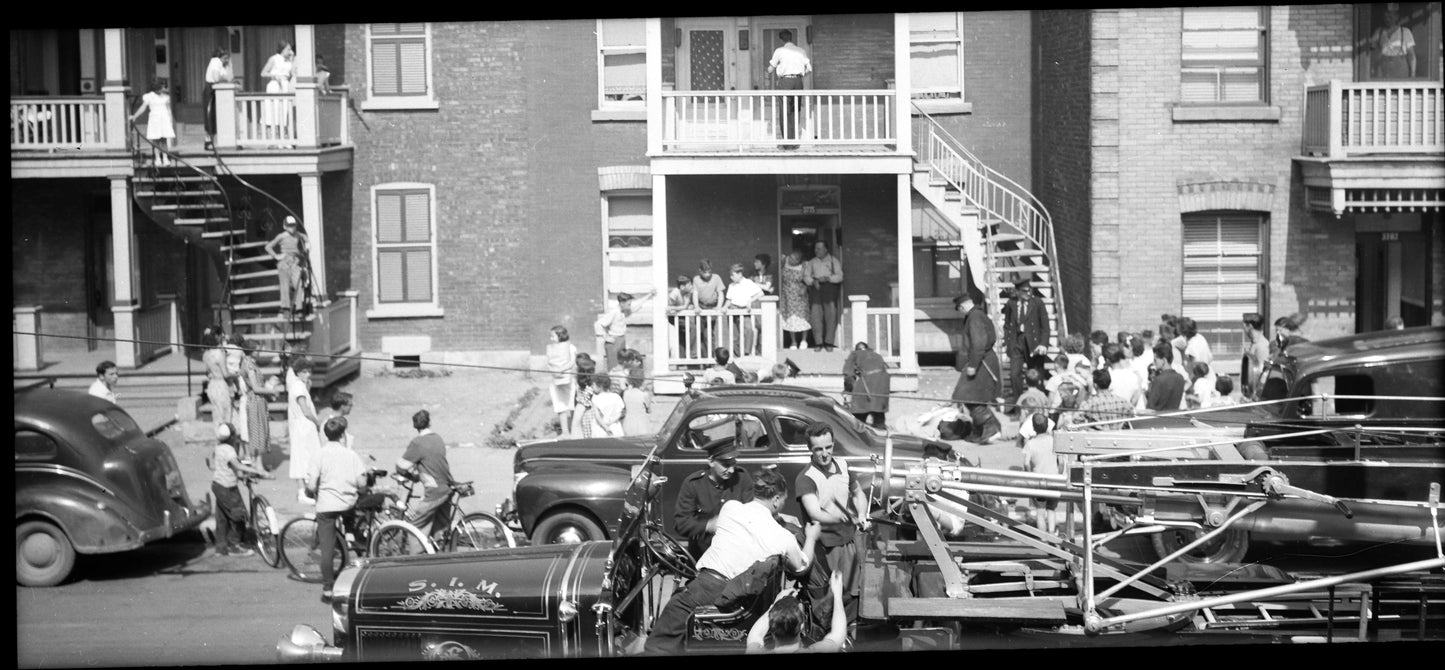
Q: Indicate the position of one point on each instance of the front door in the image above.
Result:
(707, 54)
(765, 33)
(1394, 273)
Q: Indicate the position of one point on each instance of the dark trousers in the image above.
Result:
(791, 106)
(230, 516)
(326, 524)
(210, 111)
(823, 312)
(1019, 359)
(671, 625)
(985, 424)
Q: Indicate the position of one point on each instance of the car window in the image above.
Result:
(113, 424)
(707, 428)
(33, 446)
(793, 433)
(1343, 384)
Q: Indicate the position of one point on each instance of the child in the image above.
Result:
(637, 405)
(1224, 392)
(561, 362)
(1033, 394)
(230, 509)
(1201, 391)
(582, 405)
(158, 125)
(607, 409)
(611, 326)
(289, 248)
(1068, 414)
(741, 294)
(341, 405)
(1039, 458)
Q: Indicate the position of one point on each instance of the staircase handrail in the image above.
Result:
(1039, 226)
(230, 251)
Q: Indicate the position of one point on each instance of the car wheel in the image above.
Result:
(567, 528)
(43, 554)
(1227, 547)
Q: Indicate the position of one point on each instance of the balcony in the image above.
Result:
(50, 123)
(759, 121)
(1374, 146)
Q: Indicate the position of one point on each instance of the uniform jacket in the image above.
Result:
(1035, 322)
(976, 351)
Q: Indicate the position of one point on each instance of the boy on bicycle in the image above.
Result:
(426, 459)
(230, 509)
(335, 479)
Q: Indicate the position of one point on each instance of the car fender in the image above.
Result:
(94, 521)
(596, 488)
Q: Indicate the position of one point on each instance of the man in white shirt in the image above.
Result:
(746, 534)
(741, 295)
(612, 328)
(336, 477)
(106, 376)
(790, 62)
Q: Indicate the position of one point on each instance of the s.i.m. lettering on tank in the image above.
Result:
(454, 595)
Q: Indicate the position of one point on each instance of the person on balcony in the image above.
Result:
(789, 62)
(323, 76)
(1396, 46)
(289, 249)
(276, 114)
(159, 125)
(742, 294)
(824, 277)
(978, 385)
(678, 299)
(217, 71)
(707, 293)
(794, 301)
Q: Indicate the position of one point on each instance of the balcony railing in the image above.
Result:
(754, 120)
(694, 333)
(58, 123)
(265, 119)
(156, 330)
(334, 330)
(1344, 119)
(878, 326)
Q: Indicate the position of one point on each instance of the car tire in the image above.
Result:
(1229, 547)
(44, 556)
(567, 528)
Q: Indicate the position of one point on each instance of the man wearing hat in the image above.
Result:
(288, 248)
(704, 492)
(978, 385)
(1026, 332)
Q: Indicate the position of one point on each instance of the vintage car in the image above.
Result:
(88, 481)
(571, 490)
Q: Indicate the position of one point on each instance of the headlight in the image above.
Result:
(341, 600)
(517, 478)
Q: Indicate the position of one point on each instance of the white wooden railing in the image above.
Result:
(737, 120)
(1343, 118)
(331, 119)
(334, 329)
(693, 334)
(155, 330)
(58, 122)
(878, 326)
(265, 119)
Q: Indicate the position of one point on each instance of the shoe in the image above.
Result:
(326, 596)
(244, 552)
(222, 551)
(991, 438)
(208, 146)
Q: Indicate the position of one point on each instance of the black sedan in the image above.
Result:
(88, 481)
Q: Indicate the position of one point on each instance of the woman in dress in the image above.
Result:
(794, 301)
(276, 114)
(562, 362)
(218, 383)
(256, 396)
(303, 426)
(159, 125)
(217, 71)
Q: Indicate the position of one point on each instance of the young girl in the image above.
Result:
(1040, 458)
(562, 362)
(582, 405)
(637, 405)
(158, 125)
(607, 409)
(1201, 391)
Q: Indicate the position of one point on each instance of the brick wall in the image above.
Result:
(1063, 161)
(870, 236)
(331, 43)
(850, 51)
(724, 218)
(997, 47)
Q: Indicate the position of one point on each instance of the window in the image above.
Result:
(711, 428)
(793, 432)
(938, 268)
(622, 65)
(1224, 277)
(1225, 55)
(404, 224)
(398, 63)
(628, 254)
(33, 446)
(113, 424)
(935, 46)
(1344, 384)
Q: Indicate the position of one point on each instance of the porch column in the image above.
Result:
(858, 313)
(654, 102)
(907, 320)
(902, 76)
(114, 90)
(769, 327)
(29, 344)
(226, 114)
(122, 235)
(315, 227)
(660, 282)
(305, 86)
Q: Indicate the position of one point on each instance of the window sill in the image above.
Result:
(422, 102)
(404, 312)
(935, 106)
(1270, 113)
(619, 115)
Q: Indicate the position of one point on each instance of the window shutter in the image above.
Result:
(418, 275)
(388, 218)
(418, 217)
(389, 283)
(384, 28)
(412, 61)
(385, 78)
(1223, 270)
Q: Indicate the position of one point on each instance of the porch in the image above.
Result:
(831, 122)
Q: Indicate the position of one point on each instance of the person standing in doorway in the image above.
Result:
(824, 277)
(789, 62)
(106, 376)
(1395, 45)
(289, 249)
(217, 71)
(794, 300)
(978, 385)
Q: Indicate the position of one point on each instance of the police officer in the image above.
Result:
(703, 493)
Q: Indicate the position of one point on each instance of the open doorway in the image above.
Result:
(1394, 271)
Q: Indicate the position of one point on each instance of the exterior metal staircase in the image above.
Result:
(1004, 229)
(195, 204)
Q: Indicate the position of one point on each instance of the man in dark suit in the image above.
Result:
(1026, 332)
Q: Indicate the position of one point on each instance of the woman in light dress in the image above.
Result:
(159, 126)
(794, 301)
(276, 114)
(562, 363)
(302, 425)
(218, 383)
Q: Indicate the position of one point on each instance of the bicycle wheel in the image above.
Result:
(301, 550)
(480, 530)
(263, 523)
(399, 538)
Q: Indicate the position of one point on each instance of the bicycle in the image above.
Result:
(462, 532)
(299, 539)
(265, 534)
